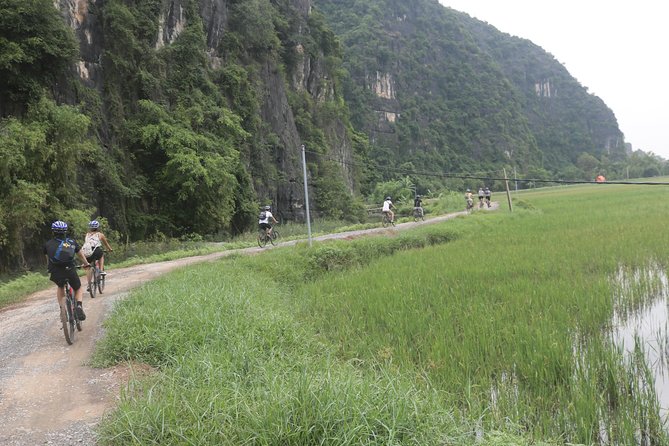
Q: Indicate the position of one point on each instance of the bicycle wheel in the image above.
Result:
(92, 282)
(101, 283)
(67, 316)
(384, 221)
(262, 239)
(273, 237)
(65, 320)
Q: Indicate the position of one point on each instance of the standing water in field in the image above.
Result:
(640, 320)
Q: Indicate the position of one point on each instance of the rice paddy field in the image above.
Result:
(499, 328)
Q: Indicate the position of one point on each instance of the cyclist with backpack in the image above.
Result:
(469, 199)
(386, 209)
(488, 195)
(418, 206)
(92, 247)
(60, 252)
(264, 220)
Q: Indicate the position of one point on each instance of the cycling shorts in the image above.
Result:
(97, 255)
(60, 274)
(265, 226)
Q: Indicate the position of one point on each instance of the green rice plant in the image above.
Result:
(506, 301)
(234, 366)
(499, 336)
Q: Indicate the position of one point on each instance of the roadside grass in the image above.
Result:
(235, 366)
(15, 289)
(491, 329)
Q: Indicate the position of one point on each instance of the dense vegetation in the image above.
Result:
(468, 97)
(181, 121)
(173, 139)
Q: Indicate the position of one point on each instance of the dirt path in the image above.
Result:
(48, 393)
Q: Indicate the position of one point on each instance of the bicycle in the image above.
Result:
(385, 220)
(97, 281)
(264, 237)
(68, 314)
(470, 205)
(418, 214)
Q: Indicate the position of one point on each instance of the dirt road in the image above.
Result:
(48, 393)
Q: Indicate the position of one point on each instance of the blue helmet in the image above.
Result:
(59, 227)
(94, 224)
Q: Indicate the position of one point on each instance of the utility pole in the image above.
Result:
(508, 193)
(306, 193)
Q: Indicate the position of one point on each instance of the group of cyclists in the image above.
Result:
(484, 196)
(388, 206)
(60, 252)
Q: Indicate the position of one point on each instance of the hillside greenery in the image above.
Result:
(469, 97)
(178, 138)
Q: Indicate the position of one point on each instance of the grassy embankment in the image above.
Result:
(497, 337)
(14, 288)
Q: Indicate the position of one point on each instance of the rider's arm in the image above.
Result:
(104, 240)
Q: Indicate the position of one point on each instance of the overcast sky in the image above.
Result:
(618, 49)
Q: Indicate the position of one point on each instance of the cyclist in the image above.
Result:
(92, 247)
(387, 206)
(418, 206)
(60, 252)
(488, 195)
(481, 194)
(469, 198)
(264, 220)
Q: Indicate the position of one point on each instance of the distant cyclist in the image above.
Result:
(264, 220)
(60, 252)
(469, 198)
(92, 247)
(418, 206)
(387, 206)
(488, 195)
(481, 195)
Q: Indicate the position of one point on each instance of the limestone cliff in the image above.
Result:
(278, 132)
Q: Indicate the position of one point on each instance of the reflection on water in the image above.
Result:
(641, 317)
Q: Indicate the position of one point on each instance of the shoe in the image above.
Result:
(80, 313)
(88, 289)
(103, 273)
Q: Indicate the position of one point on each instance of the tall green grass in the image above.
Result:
(490, 329)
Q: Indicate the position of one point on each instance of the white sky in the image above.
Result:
(618, 49)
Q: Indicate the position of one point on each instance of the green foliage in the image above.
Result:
(466, 94)
(39, 178)
(36, 47)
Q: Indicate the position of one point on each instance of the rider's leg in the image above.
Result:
(392, 216)
(102, 263)
(78, 295)
(89, 273)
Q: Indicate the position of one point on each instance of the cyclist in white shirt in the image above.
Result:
(387, 206)
(264, 220)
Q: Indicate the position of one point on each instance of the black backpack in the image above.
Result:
(263, 215)
(64, 253)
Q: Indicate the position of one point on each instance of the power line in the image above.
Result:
(485, 178)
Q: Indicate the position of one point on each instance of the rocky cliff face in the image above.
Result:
(310, 75)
